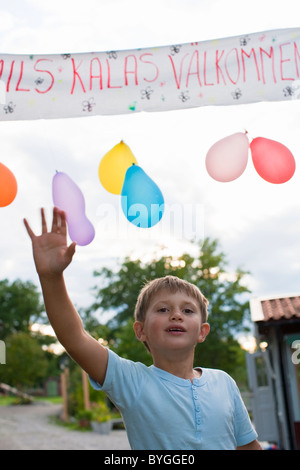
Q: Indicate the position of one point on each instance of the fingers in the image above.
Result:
(71, 250)
(30, 231)
(54, 220)
(28, 228)
(44, 223)
(59, 223)
(63, 223)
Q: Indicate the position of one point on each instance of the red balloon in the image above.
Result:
(272, 160)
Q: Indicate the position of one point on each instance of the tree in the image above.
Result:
(26, 362)
(228, 308)
(20, 305)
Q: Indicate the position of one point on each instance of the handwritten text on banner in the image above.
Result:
(243, 69)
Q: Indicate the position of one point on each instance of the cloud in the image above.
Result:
(270, 250)
(7, 21)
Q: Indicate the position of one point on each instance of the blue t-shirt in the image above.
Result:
(164, 412)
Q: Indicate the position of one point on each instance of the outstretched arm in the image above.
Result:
(52, 255)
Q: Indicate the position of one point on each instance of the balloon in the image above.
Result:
(68, 197)
(8, 186)
(272, 160)
(227, 159)
(141, 199)
(113, 167)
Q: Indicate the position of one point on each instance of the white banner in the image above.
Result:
(255, 67)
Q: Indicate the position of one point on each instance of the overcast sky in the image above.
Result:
(257, 223)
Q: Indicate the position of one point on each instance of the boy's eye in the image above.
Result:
(188, 310)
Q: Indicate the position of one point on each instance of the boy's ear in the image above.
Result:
(138, 327)
(203, 332)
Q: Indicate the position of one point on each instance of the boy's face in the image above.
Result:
(173, 322)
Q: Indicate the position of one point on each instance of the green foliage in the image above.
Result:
(26, 364)
(127, 346)
(20, 305)
(101, 412)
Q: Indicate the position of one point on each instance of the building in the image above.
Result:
(274, 370)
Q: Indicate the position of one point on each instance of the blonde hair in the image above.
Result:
(173, 284)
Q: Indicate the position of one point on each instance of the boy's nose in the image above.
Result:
(176, 314)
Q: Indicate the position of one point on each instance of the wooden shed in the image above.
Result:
(274, 370)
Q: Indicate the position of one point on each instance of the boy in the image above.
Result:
(169, 405)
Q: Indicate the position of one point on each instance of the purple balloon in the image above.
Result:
(68, 197)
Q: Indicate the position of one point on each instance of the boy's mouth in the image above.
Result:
(176, 329)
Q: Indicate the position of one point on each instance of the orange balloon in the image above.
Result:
(8, 186)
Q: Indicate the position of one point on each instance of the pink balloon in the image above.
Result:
(272, 160)
(227, 159)
(68, 197)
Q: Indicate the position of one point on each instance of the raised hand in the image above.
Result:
(50, 250)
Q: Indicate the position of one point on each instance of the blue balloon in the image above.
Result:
(141, 199)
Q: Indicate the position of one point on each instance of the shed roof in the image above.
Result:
(275, 308)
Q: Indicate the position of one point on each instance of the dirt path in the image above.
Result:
(29, 428)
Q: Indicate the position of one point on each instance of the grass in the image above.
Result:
(7, 400)
(53, 400)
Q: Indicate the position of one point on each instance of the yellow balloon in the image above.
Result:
(113, 167)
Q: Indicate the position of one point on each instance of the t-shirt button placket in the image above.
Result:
(197, 408)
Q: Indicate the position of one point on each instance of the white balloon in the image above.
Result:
(227, 159)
